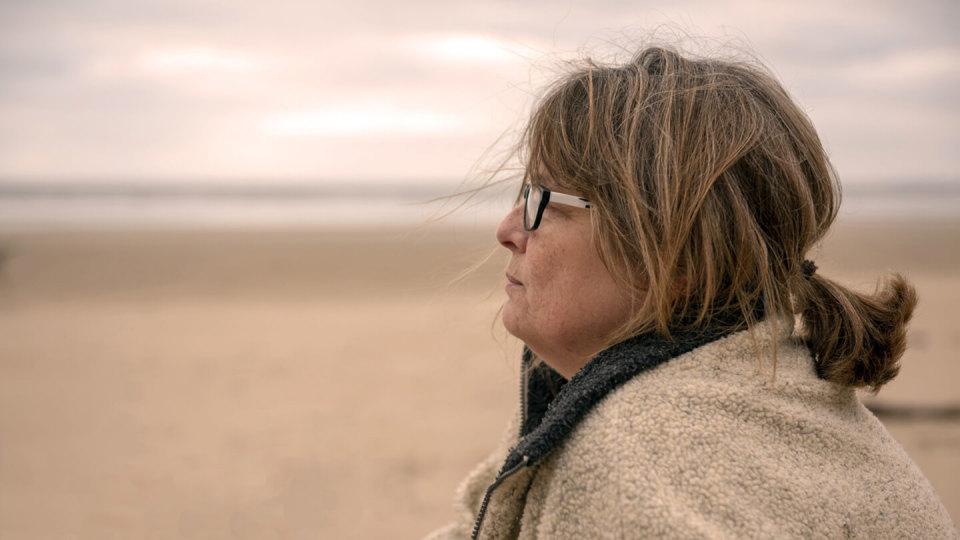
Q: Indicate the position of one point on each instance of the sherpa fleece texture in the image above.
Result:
(709, 444)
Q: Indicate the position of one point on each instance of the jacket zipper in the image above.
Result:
(502, 475)
(486, 496)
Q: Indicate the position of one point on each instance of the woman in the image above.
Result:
(657, 264)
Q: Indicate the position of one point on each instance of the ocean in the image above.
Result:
(48, 205)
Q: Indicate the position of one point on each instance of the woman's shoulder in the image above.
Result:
(767, 367)
(711, 429)
(731, 395)
(725, 391)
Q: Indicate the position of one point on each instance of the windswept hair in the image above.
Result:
(709, 185)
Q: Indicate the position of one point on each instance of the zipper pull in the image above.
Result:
(486, 496)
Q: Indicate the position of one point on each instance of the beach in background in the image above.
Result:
(324, 381)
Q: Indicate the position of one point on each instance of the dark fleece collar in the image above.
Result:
(554, 406)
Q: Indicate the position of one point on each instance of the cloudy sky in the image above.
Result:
(139, 91)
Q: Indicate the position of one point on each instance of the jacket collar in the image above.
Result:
(551, 407)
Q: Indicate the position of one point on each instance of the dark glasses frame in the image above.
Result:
(545, 197)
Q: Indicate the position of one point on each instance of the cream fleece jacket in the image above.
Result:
(710, 444)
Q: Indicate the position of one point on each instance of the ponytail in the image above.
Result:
(856, 339)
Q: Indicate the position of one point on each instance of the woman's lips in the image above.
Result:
(512, 280)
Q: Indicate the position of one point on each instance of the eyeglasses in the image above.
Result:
(537, 197)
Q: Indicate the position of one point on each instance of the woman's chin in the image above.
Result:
(510, 320)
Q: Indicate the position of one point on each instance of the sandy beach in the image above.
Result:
(321, 383)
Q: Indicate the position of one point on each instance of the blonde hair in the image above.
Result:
(709, 185)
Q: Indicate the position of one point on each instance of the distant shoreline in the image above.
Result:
(178, 205)
(338, 189)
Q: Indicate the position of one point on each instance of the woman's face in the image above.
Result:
(566, 301)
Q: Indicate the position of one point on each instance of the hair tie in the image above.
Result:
(808, 267)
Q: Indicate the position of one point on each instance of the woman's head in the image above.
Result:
(708, 185)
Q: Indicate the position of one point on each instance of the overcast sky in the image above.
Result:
(135, 91)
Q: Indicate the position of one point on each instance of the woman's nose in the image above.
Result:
(510, 232)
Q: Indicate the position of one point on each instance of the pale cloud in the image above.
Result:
(469, 48)
(911, 67)
(190, 68)
(194, 60)
(357, 120)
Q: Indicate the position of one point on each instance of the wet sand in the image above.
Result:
(320, 384)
